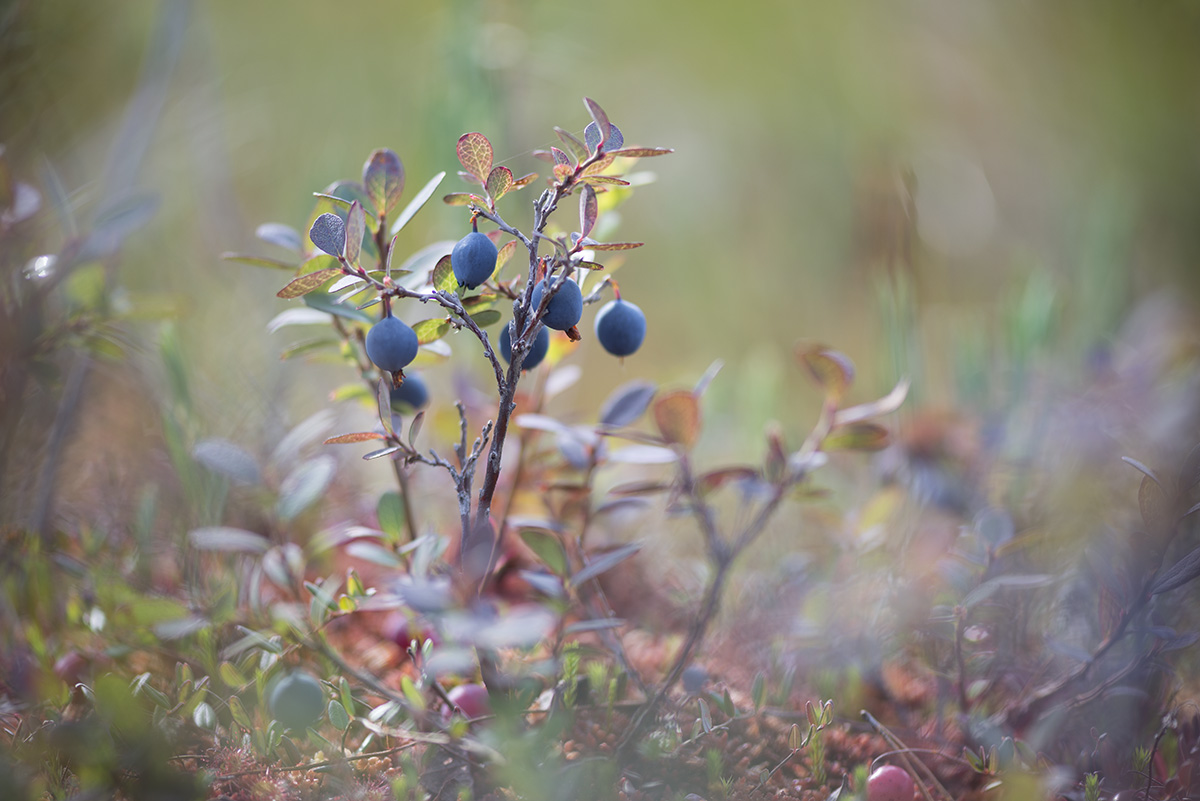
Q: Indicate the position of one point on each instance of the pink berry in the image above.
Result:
(471, 699)
(890, 783)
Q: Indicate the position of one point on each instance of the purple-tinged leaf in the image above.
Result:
(715, 479)
(383, 179)
(561, 157)
(361, 436)
(614, 245)
(636, 488)
(499, 182)
(383, 405)
(598, 167)
(356, 229)
(602, 180)
(285, 236)
(563, 171)
(328, 233)
(832, 370)
(588, 210)
(865, 411)
(225, 538)
(1189, 474)
(860, 436)
(638, 152)
(604, 563)
(1155, 506)
(259, 261)
(475, 154)
(524, 181)
(502, 256)
(431, 330)
(417, 202)
(677, 415)
(415, 428)
(1146, 471)
(1180, 573)
(462, 199)
(591, 137)
(307, 283)
(343, 203)
(627, 403)
(228, 459)
(578, 149)
(382, 452)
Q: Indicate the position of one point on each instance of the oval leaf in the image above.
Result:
(548, 548)
(499, 182)
(588, 210)
(627, 403)
(304, 486)
(486, 317)
(603, 126)
(328, 233)
(383, 178)
(230, 460)
(857, 437)
(605, 562)
(677, 415)
(307, 283)
(640, 152)
(442, 277)
(356, 228)
(346, 439)
(431, 330)
(832, 370)
(475, 155)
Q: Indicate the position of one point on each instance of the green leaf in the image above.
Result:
(759, 691)
(857, 437)
(323, 302)
(383, 401)
(303, 486)
(486, 317)
(415, 428)
(308, 346)
(832, 370)
(383, 178)
(475, 155)
(499, 182)
(503, 255)
(613, 245)
(204, 716)
(390, 511)
(431, 330)
(356, 229)
(226, 538)
(548, 548)
(524, 181)
(259, 261)
(462, 199)
(705, 715)
(307, 283)
(602, 180)
(442, 277)
(374, 553)
(677, 415)
(239, 713)
(578, 149)
(417, 203)
(338, 716)
(605, 562)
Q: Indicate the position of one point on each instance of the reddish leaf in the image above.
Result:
(600, 118)
(614, 245)
(602, 180)
(307, 283)
(475, 154)
(641, 152)
(587, 210)
(635, 488)
(599, 166)
(499, 182)
(524, 181)
(857, 437)
(1154, 506)
(560, 157)
(563, 171)
(829, 368)
(678, 417)
(588, 265)
(577, 148)
(383, 179)
(356, 228)
(503, 255)
(716, 478)
(362, 436)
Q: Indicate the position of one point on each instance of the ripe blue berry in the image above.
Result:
(391, 344)
(565, 308)
(297, 700)
(411, 395)
(537, 351)
(473, 259)
(620, 327)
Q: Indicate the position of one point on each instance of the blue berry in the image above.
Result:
(411, 395)
(565, 308)
(391, 344)
(537, 351)
(297, 700)
(473, 259)
(620, 327)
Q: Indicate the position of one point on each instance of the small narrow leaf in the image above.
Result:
(328, 233)
(499, 182)
(1154, 506)
(228, 459)
(865, 411)
(259, 261)
(604, 127)
(639, 152)
(462, 199)
(758, 691)
(1183, 571)
(307, 283)
(548, 548)
(415, 428)
(524, 181)
(383, 179)
(602, 180)
(614, 245)
(578, 149)
(431, 330)
(225, 538)
(356, 228)
(361, 436)
(604, 563)
(587, 210)
(1146, 471)
(379, 454)
(627, 403)
(475, 155)
(503, 255)
(677, 415)
(383, 398)
(417, 203)
(705, 716)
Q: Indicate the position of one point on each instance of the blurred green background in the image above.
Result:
(1001, 165)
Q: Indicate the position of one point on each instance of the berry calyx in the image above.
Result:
(473, 259)
(537, 351)
(297, 700)
(620, 327)
(391, 344)
(565, 307)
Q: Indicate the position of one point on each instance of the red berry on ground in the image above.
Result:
(890, 783)
(471, 699)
